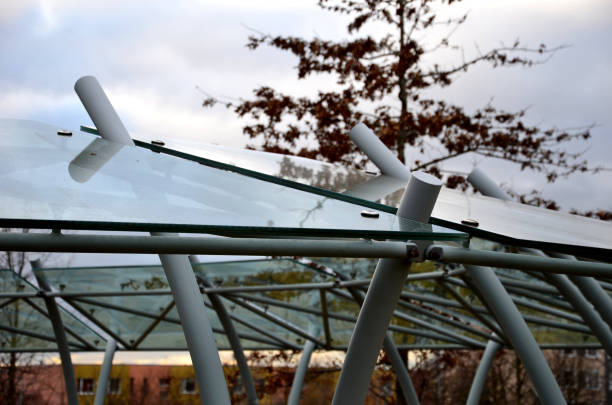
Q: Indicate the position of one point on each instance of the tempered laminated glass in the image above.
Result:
(506, 218)
(79, 182)
(315, 173)
(523, 222)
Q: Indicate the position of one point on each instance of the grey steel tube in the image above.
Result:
(591, 289)
(401, 372)
(582, 306)
(300, 372)
(378, 153)
(31, 242)
(234, 340)
(481, 372)
(486, 186)
(104, 376)
(450, 254)
(101, 111)
(382, 296)
(397, 363)
(596, 295)
(518, 333)
(197, 329)
(60, 337)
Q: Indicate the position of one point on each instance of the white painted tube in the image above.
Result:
(378, 153)
(486, 186)
(419, 197)
(101, 111)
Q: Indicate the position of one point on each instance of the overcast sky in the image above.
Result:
(150, 56)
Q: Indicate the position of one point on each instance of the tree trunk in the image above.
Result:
(402, 136)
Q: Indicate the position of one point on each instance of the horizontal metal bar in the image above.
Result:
(432, 331)
(275, 319)
(521, 300)
(220, 290)
(445, 346)
(68, 330)
(448, 320)
(449, 254)
(546, 289)
(40, 336)
(157, 317)
(31, 242)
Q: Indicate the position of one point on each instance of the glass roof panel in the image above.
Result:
(510, 219)
(29, 317)
(76, 182)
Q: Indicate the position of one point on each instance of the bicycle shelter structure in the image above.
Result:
(353, 260)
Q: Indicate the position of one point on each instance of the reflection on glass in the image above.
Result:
(92, 159)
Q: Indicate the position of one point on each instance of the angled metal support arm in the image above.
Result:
(591, 289)
(275, 319)
(69, 331)
(481, 372)
(493, 327)
(107, 365)
(60, 337)
(596, 295)
(234, 340)
(197, 329)
(463, 324)
(185, 290)
(582, 306)
(382, 296)
(518, 333)
(400, 369)
(153, 324)
(300, 372)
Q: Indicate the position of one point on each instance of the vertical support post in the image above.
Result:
(197, 329)
(518, 333)
(481, 372)
(104, 376)
(234, 340)
(300, 372)
(380, 301)
(60, 337)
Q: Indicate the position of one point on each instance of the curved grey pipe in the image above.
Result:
(591, 290)
(234, 340)
(60, 337)
(300, 372)
(104, 375)
(481, 373)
